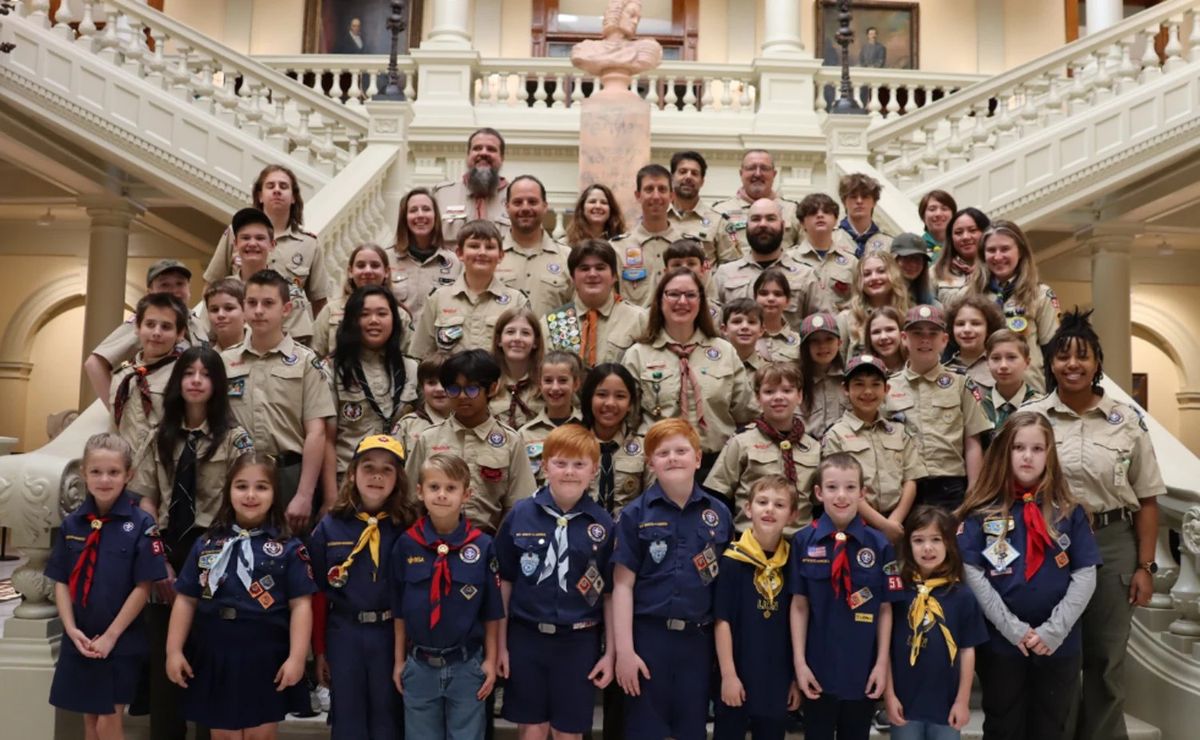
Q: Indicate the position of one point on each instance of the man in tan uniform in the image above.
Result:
(692, 218)
(480, 192)
(595, 324)
(758, 181)
(640, 252)
(834, 263)
(858, 231)
(533, 262)
(764, 236)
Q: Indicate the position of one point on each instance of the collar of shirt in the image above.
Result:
(1018, 398)
(547, 244)
(459, 287)
(585, 505)
(605, 310)
(286, 347)
(958, 358)
(544, 419)
(934, 373)
(481, 430)
(453, 539)
(641, 234)
(682, 215)
(857, 529)
(1104, 406)
(806, 247)
(747, 201)
(856, 424)
(122, 508)
(698, 338)
(849, 229)
(656, 495)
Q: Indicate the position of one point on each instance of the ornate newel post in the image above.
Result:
(1185, 595)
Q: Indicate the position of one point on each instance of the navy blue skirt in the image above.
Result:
(235, 662)
(91, 685)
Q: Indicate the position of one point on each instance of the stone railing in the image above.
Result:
(349, 79)
(890, 93)
(1065, 84)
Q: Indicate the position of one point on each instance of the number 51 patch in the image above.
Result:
(894, 583)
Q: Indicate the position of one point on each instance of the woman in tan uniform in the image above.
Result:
(686, 370)
(420, 261)
(1109, 462)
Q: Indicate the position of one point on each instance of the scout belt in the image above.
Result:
(676, 625)
(548, 628)
(440, 657)
(367, 617)
(1112, 516)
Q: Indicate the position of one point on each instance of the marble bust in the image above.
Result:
(617, 57)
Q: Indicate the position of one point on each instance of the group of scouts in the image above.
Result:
(735, 461)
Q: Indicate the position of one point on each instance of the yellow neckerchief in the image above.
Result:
(369, 538)
(768, 578)
(924, 607)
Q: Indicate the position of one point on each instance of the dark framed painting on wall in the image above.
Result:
(885, 34)
(356, 26)
(1140, 390)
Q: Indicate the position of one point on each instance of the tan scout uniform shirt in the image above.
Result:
(1037, 323)
(845, 240)
(619, 324)
(640, 259)
(705, 226)
(1105, 453)
(356, 417)
(136, 428)
(885, 450)
(939, 409)
(850, 332)
(495, 454)
(413, 280)
(325, 327)
(122, 343)
(296, 256)
(828, 402)
(540, 273)
(736, 280)
(411, 425)
(950, 286)
(736, 210)
(752, 455)
(152, 480)
(502, 403)
(456, 319)
(298, 324)
(274, 393)
(977, 370)
(534, 432)
(724, 386)
(782, 346)
(834, 275)
(630, 476)
(458, 207)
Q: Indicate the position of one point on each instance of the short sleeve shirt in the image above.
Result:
(938, 409)
(886, 451)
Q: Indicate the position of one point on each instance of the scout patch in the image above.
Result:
(503, 299)
(468, 591)
(152, 531)
(706, 565)
(272, 548)
(840, 259)
(256, 589)
(337, 577)
(1018, 323)
(658, 550)
(491, 475)
(976, 392)
(1064, 542)
(817, 551)
(866, 557)
(891, 568)
(297, 259)
(157, 547)
(352, 410)
(469, 554)
(267, 582)
(945, 380)
(127, 526)
(449, 334)
(1115, 417)
(529, 563)
(710, 518)
(237, 387)
(496, 439)
(207, 560)
(712, 353)
(266, 600)
(1061, 560)
(596, 532)
(533, 450)
(243, 443)
(554, 268)
(860, 597)
(997, 526)
(1000, 554)
(894, 583)
(632, 447)
(864, 617)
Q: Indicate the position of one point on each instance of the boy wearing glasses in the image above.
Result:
(494, 452)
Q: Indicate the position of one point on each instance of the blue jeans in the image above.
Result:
(913, 730)
(440, 702)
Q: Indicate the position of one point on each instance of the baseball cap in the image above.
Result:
(158, 268)
(248, 216)
(816, 322)
(925, 315)
(380, 442)
(909, 244)
(865, 363)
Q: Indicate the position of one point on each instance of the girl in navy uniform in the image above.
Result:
(244, 608)
(353, 635)
(554, 551)
(446, 608)
(757, 686)
(934, 634)
(667, 559)
(1031, 560)
(842, 576)
(106, 556)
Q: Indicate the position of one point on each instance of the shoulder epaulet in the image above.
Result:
(619, 237)
(956, 369)
(308, 233)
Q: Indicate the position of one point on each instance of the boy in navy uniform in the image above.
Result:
(666, 561)
(842, 576)
(554, 551)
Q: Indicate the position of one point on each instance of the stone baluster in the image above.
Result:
(874, 105)
(1054, 107)
(745, 100)
(955, 145)
(981, 131)
(560, 91)
(502, 91)
(559, 232)
(1027, 117)
(373, 87)
(204, 88)
(302, 139)
(62, 22)
(87, 27)
(410, 91)
(1185, 594)
(676, 99)
(893, 105)
(354, 143)
(225, 96)
(156, 61)
(706, 100)
(1079, 93)
(539, 93)
(1174, 49)
(1150, 63)
(1127, 71)
(135, 47)
(110, 43)
(39, 12)
(326, 151)
(1006, 129)
(651, 96)
(820, 104)
(524, 96)
(727, 95)
(577, 90)
(931, 157)
(483, 98)
(1193, 25)
(181, 74)
(1106, 72)
(354, 94)
(277, 128)
(1168, 571)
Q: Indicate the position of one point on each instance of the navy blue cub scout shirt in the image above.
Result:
(474, 596)
(367, 588)
(281, 571)
(130, 553)
(675, 553)
(841, 641)
(1073, 547)
(523, 546)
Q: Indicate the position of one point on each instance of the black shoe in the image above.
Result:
(880, 722)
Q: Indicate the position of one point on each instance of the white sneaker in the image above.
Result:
(321, 698)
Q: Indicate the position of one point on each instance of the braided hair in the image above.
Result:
(1074, 330)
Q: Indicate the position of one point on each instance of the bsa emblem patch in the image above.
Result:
(496, 439)
(273, 549)
(290, 360)
(207, 560)
(840, 259)
(632, 447)
(712, 353)
(529, 563)
(468, 591)
(945, 380)
(554, 268)
(297, 259)
(866, 557)
(469, 554)
(127, 526)
(503, 299)
(352, 410)
(710, 518)
(596, 532)
(1115, 417)
(658, 550)
(337, 577)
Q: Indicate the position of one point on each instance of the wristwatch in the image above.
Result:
(1150, 567)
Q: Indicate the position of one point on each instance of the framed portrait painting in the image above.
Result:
(356, 26)
(885, 34)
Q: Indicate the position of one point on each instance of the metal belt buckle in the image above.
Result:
(368, 617)
(436, 661)
(676, 625)
(227, 613)
(583, 625)
(547, 629)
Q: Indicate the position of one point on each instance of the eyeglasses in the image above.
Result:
(471, 391)
(680, 295)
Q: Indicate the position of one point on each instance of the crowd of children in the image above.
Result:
(794, 487)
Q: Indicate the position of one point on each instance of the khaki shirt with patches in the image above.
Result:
(122, 343)
(274, 393)
(851, 334)
(724, 386)
(298, 324)
(736, 211)
(618, 325)
(783, 346)
(828, 402)
(136, 427)
(736, 280)
(704, 225)
(998, 408)
(940, 409)
(355, 416)
(413, 280)
(455, 318)
(495, 454)
(1037, 323)
(501, 403)
(458, 207)
(834, 275)
(845, 240)
(411, 425)
(534, 432)
(641, 262)
(949, 287)
(1105, 453)
(752, 455)
(977, 370)
(540, 273)
(297, 256)
(152, 480)
(630, 474)
(886, 451)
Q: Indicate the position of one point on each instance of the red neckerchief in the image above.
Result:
(85, 566)
(139, 375)
(1036, 536)
(841, 566)
(440, 586)
(785, 441)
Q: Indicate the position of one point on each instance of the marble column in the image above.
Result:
(108, 255)
(1103, 13)
(781, 25)
(1111, 292)
(451, 26)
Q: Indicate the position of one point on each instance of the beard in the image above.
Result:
(482, 181)
(764, 242)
